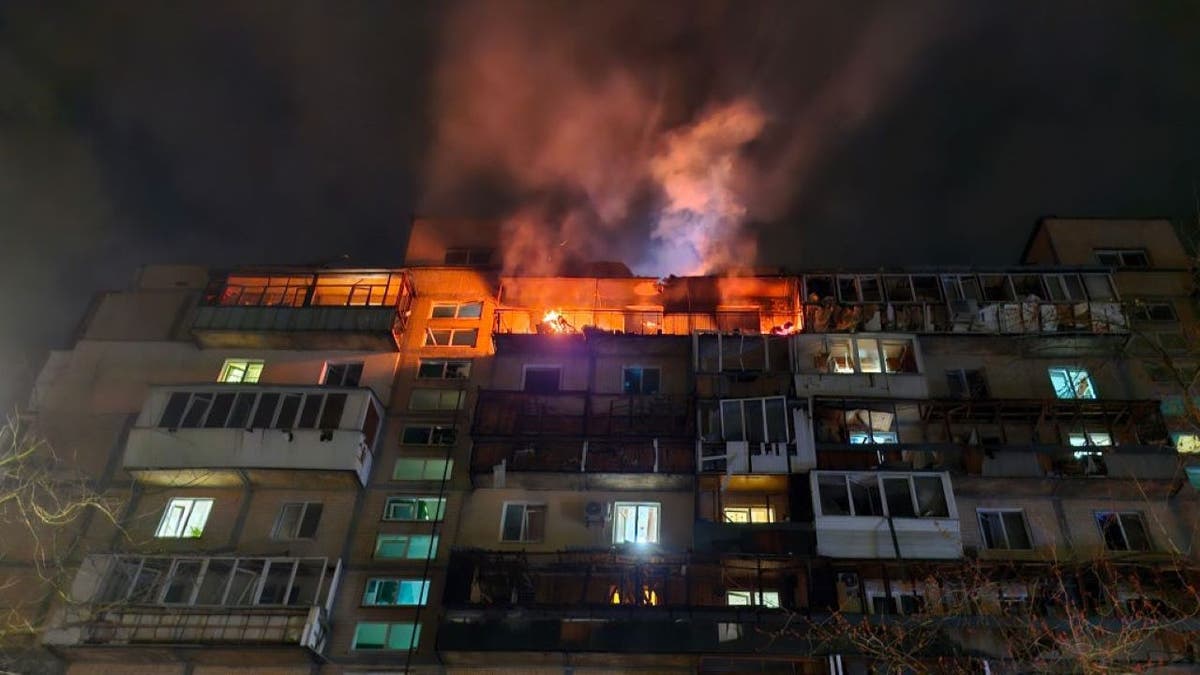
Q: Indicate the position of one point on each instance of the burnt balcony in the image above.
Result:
(225, 434)
(303, 309)
(133, 601)
(581, 414)
(644, 321)
(995, 437)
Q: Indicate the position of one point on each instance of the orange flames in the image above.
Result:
(554, 322)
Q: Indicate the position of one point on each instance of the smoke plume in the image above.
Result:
(597, 131)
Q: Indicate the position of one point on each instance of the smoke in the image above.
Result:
(600, 131)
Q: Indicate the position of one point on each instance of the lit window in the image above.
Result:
(870, 437)
(395, 592)
(242, 371)
(635, 522)
(1123, 531)
(756, 420)
(748, 598)
(850, 355)
(1122, 257)
(436, 399)
(1072, 383)
(639, 380)
(1088, 439)
(345, 374)
(451, 337)
(523, 522)
(414, 508)
(1186, 442)
(442, 369)
(386, 636)
(406, 546)
(297, 520)
(456, 310)
(1004, 529)
(184, 518)
(408, 468)
(749, 514)
(428, 435)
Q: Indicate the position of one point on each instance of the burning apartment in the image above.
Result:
(453, 467)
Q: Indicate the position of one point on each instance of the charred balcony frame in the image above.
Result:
(305, 308)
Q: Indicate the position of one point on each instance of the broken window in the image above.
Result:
(345, 374)
(967, 383)
(1071, 383)
(1064, 287)
(959, 287)
(817, 288)
(1028, 286)
(898, 287)
(997, 288)
(755, 420)
(926, 288)
(894, 495)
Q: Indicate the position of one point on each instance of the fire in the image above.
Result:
(554, 322)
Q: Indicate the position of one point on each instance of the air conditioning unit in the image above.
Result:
(597, 513)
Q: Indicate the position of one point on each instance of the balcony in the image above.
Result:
(644, 321)
(359, 310)
(148, 601)
(516, 413)
(267, 435)
(996, 437)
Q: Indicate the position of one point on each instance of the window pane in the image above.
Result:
(753, 409)
(370, 636)
(1014, 525)
(312, 517)
(288, 410)
(308, 413)
(456, 370)
(650, 380)
(288, 522)
(331, 415)
(899, 356)
(241, 410)
(1098, 287)
(899, 498)
(542, 380)
(776, 420)
(403, 636)
(868, 355)
(173, 412)
(834, 499)
(197, 410)
(416, 435)
(535, 523)
(731, 421)
(443, 312)
(431, 369)
(511, 529)
(1135, 532)
(931, 500)
(1110, 530)
(991, 528)
(437, 337)
(198, 517)
(632, 380)
(464, 338)
(864, 491)
(470, 310)
(265, 411)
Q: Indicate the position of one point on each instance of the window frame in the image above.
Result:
(1120, 518)
(523, 536)
(433, 540)
(749, 510)
(442, 394)
(298, 534)
(439, 505)
(445, 365)
(881, 492)
(447, 468)
(641, 378)
(349, 366)
(413, 641)
(436, 435)
(451, 337)
(422, 593)
(654, 508)
(458, 307)
(543, 367)
(185, 524)
(766, 429)
(1070, 376)
(249, 374)
(1121, 254)
(979, 517)
(765, 599)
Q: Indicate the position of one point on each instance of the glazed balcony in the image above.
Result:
(135, 601)
(581, 414)
(302, 309)
(269, 435)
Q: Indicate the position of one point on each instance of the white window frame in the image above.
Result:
(371, 592)
(444, 467)
(768, 599)
(362, 367)
(430, 341)
(654, 508)
(947, 494)
(524, 536)
(1121, 516)
(438, 505)
(189, 520)
(762, 402)
(642, 380)
(463, 364)
(871, 437)
(979, 517)
(444, 397)
(413, 642)
(408, 546)
(296, 534)
(823, 343)
(457, 309)
(241, 371)
(1071, 376)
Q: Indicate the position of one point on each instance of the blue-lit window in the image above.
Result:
(1072, 383)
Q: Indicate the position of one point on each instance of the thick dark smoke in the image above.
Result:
(618, 133)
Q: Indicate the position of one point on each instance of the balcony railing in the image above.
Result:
(673, 456)
(332, 310)
(251, 427)
(515, 413)
(644, 322)
(199, 600)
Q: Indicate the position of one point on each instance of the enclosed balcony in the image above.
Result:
(1036, 438)
(130, 601)
(761, 435)
(267, 435)
(517, 413)
(304, 309)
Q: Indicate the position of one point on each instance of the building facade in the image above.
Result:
(442, 467)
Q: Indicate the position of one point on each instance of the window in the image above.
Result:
(749, 514)
(1186, 442)
(428, 435)
(1071, 383)
(414, 508)
(542, 379)
(1099, 287)
(468, 257)
(871, 437)
(1122, 257)
(1154, 311)
(523, 522)
(395, 592)
(640, 380)
(259, 410)
(456, 310)
(635, 522)
(242, 371)
(1004, 529)
(756, 420)
(442, 369)
(184, 518)
(1085, 439)
(406, 546)
(422, 469)
(436, 399)
(849, 355)
(1064, 287)
(297, 520)
(747, 598)
(967, 383)
(451, 337)
(345, 374)
(1123, 531)
(871, 494)
(386, 636)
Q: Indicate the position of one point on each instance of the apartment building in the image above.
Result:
(441, 467)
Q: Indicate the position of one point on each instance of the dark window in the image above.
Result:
(1123, 531)
(287, 411)
(241, 410)
(331, 416)
(542, 380)
(308, 414)
(173, 413)
(639, 380)
(967, 383)
(197, 410)
(343, 374)
(220, 411)
(265, 411)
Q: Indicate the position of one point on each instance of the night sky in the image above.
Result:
(252, 132)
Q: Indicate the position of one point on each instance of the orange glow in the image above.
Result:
(555, 322)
